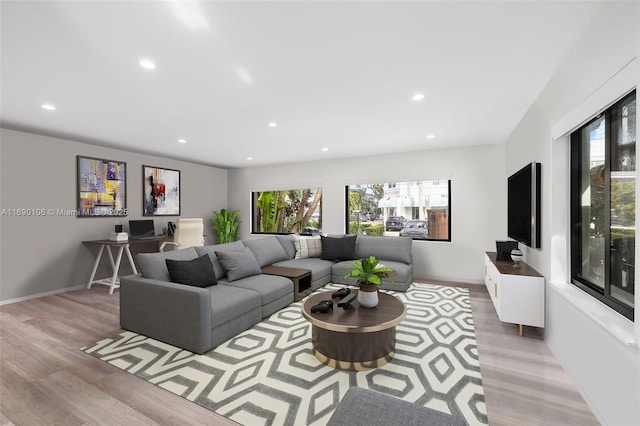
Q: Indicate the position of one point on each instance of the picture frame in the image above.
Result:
(101, 187)
(161, 191)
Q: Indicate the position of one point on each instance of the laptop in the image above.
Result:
(142, 229)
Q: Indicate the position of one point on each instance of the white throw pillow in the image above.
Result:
(307, 246)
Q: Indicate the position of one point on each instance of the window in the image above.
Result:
(418, 209)
(286, 211)
(603, 176)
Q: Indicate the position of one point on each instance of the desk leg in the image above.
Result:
(127, 249)
(95, 266)
(113, 264)
(116, 268)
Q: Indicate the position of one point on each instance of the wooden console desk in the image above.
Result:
(123, 248)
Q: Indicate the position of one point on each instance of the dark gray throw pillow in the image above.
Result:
(238, 264)
(197, 272)
(338, 248)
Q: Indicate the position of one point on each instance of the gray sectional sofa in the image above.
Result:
(205, 312)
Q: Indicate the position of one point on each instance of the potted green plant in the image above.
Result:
(225, 225)
(369, 273)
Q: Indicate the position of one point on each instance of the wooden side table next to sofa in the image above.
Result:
(301, 279)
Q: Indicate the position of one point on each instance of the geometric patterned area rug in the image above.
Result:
(268, 374)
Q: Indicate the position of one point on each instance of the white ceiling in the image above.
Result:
(335, 75)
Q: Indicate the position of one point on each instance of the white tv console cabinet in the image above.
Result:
(516, 293)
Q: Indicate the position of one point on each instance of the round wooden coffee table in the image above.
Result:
(357, 338)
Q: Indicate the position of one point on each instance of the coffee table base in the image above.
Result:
(354, 351)
(353, 365)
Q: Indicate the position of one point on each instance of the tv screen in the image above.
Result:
(524, 205)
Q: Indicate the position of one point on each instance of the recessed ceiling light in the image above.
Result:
(147, 64)
(48, 107)
(325, 149)
(249, 158)
(418, 97)
(182, 141)
(431, 136)
(272, 124)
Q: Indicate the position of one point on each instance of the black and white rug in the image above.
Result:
(269, 375)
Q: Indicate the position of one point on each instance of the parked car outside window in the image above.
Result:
(395, 223)
(415, 229)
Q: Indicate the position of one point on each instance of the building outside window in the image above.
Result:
(417, 209)
(603, 175)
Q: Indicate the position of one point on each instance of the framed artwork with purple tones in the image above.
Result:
(161, 194)
(101, 187)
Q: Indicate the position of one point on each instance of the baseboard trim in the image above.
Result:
(47, 293)
(447, 280)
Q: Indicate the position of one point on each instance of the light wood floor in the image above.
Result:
(46, 379)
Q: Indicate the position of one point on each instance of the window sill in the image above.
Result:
(611, 321)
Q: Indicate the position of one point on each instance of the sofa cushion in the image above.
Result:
(267, 251)
(270, 287)
(385, 248)
(210, 250)
(319, 268)
(153, 265)
(338, 248)
(229, 302)
(238, 264)
(197, 272)
(287, 242)
(307, 246)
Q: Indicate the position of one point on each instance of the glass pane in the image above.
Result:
(416, 209)
(287, 211)
(623, 202)
(592, 204)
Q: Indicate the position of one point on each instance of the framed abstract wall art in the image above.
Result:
(161, 194)
(102, 187)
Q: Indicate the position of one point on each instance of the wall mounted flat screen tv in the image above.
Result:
(524, 205)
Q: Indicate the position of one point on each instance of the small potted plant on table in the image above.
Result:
(369, 274)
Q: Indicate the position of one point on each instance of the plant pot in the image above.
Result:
(368, 295)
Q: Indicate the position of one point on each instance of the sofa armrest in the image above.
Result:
(172, 313)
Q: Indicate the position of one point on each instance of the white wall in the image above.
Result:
(45, 253)
(478, 199)
(595, 344)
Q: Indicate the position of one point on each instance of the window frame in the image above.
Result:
(577, 144)
(394, 184)
(255, 226)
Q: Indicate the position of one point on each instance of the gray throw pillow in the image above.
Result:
(267, 250)
(287, 242)
(153, 265)
(197, 272)
(338, 248)
(238, 264)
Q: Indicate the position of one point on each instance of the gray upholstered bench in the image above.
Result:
(364, 407)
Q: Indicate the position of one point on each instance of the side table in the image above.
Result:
(301, 279)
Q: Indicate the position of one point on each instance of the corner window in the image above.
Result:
(603, 176)
(417, 209)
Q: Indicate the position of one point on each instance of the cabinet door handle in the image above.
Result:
(495, 290)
